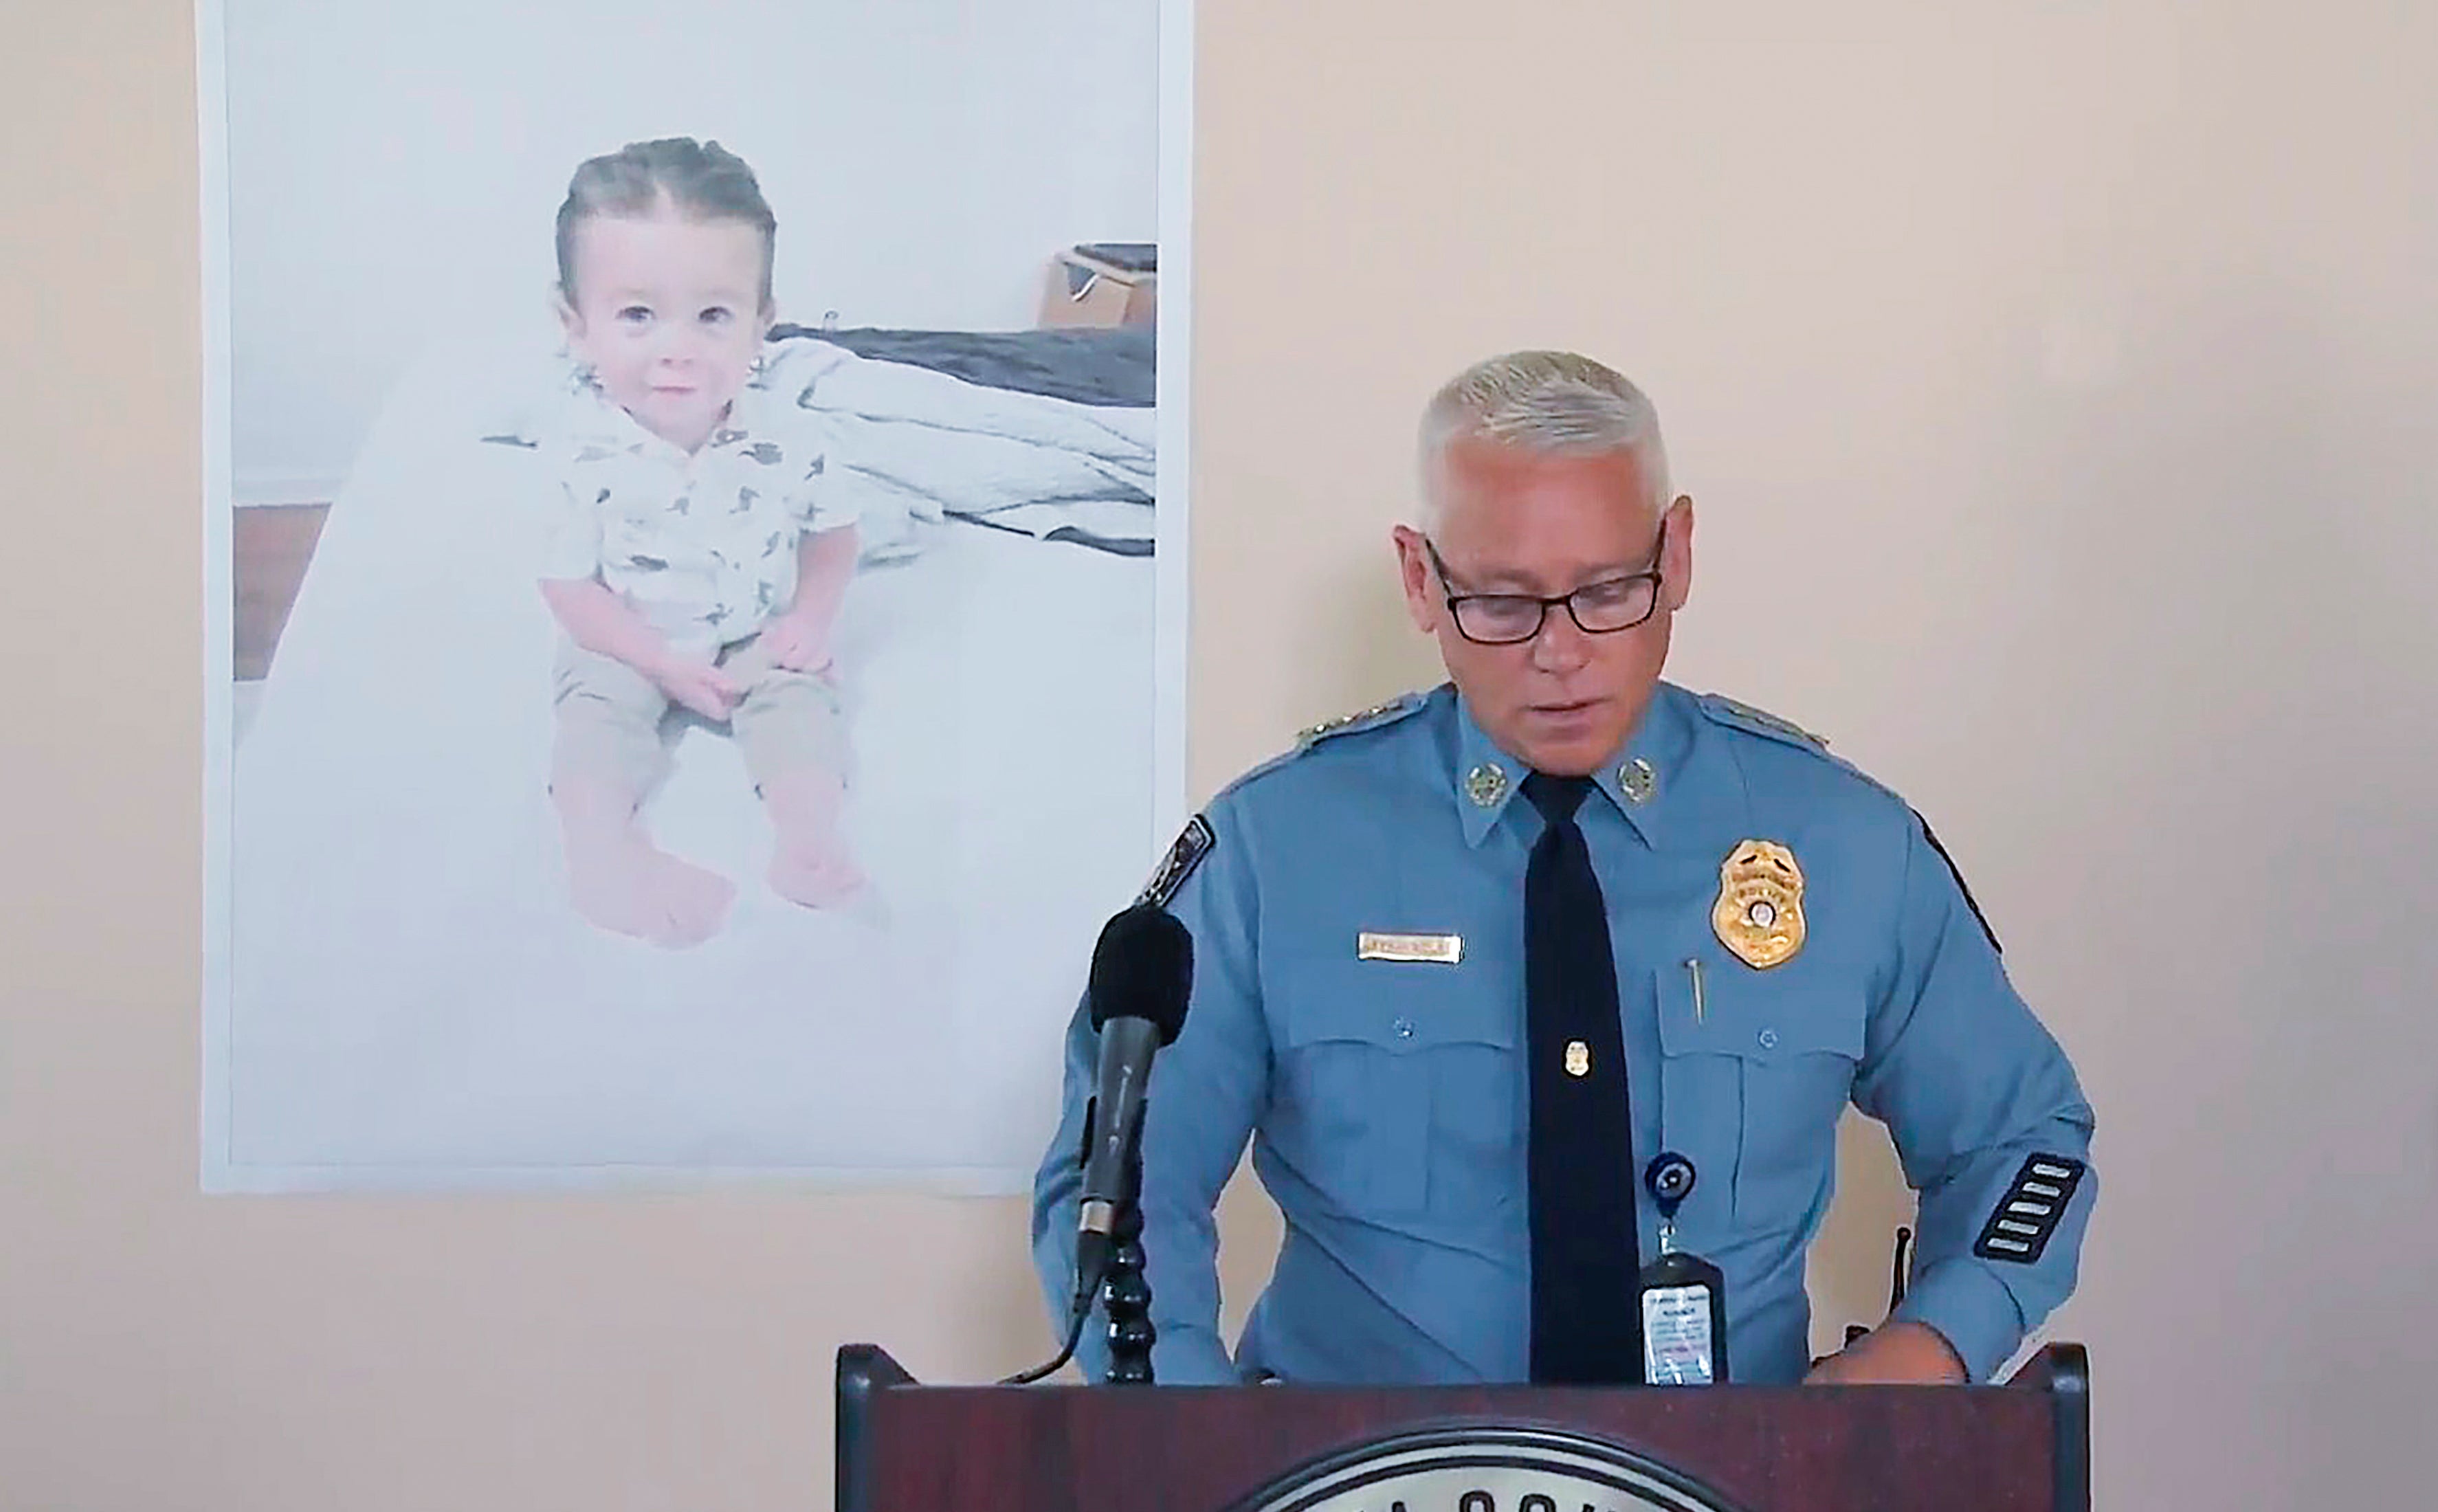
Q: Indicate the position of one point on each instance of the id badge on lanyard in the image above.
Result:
(1682, 1298)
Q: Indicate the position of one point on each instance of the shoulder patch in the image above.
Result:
(1178, 864)
(1371, 718)
(1725, 710)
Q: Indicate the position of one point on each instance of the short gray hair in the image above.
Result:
(1557, 402)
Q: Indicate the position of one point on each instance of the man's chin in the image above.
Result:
(1562, 758)
(1567, 740)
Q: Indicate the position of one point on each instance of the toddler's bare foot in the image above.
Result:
(622, 882)
(817, 882)
(696, 900)
(812, 865)
(630, 888)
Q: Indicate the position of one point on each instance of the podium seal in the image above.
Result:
(1487, 1469)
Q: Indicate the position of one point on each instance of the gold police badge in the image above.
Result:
(1760, 911)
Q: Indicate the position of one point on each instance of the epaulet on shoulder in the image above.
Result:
(1377, 716)
(1722, 709)
(1401, 707)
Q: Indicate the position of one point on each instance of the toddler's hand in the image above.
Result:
(792, 644)
(699, 685)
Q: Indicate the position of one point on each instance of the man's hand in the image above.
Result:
(793, 642)
(1894, 1353)
(699, 685)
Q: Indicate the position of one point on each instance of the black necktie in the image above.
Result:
(1587, 1256)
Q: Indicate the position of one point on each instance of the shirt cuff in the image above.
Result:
(1972, 1310)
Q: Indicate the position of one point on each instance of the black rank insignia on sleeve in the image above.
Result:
(2035, 1202)
(1178, 864)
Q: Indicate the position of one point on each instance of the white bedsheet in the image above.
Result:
(412, 1001)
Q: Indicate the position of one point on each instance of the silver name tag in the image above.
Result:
(1374, 945)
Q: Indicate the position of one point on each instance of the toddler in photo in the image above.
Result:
(700, 544)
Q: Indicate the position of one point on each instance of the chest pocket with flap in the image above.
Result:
(1757, 1070)
(1398, 1084)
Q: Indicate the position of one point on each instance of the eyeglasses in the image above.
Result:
(1603, 607)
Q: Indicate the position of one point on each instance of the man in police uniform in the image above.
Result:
(1389, 926)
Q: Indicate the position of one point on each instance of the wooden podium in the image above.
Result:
(2020, 1447)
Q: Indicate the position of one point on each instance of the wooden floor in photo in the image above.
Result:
(269, 546)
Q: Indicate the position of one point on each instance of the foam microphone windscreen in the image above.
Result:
(1142, 968)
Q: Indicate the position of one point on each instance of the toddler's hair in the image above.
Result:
(702, 180)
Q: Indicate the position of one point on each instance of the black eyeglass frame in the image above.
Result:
(1653, 574)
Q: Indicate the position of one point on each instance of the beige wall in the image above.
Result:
(2054, 384)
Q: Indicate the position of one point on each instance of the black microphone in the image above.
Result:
(1143, 975)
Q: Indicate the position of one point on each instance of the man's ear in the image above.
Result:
(1415, 576)
(1676, 559)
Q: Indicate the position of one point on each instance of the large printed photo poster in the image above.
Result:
(696, 593)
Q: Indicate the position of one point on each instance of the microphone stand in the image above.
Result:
(1126, 1290)
(1121, 1286)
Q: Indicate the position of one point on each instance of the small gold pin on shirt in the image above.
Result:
(1579, 1058)
(1444, 950)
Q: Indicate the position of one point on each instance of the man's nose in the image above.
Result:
(1562, 645)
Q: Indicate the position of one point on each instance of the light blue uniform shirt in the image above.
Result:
(1387, 1098)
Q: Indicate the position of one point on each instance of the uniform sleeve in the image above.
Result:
(1205, 1091)
(1989, 1122)
(571, 542)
